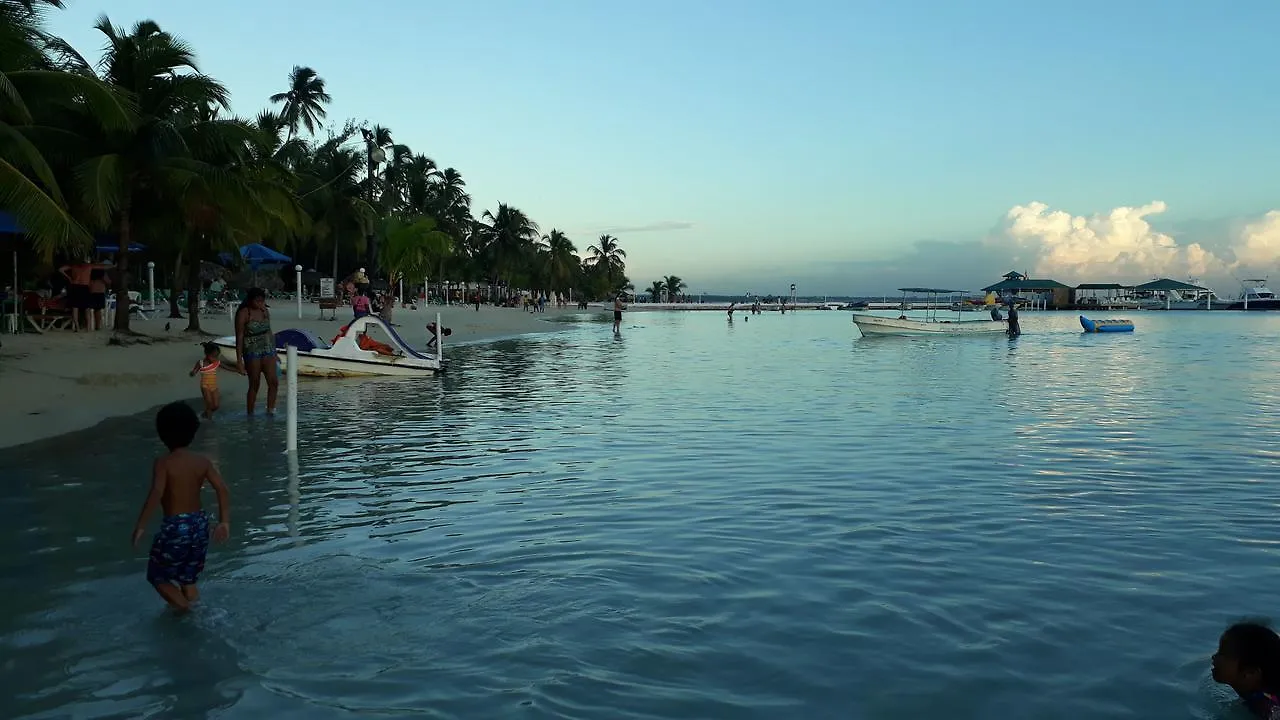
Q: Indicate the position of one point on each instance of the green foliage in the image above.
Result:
(139, 146)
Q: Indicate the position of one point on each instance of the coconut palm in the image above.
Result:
(35, 145)
(608, 259)
(560, 261)
(413, 250)
(151, 157)
(304, 102)
(656, 291)
(508, 236)
(674, 287)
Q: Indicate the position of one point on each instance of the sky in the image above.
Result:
(849, 147)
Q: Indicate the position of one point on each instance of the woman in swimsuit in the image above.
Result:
(256, 348)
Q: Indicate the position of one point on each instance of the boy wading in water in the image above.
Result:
(178, 551)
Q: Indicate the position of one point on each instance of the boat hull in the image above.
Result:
(345, 357)
(316, 365)
(907, 327)
(1105, 326)
(1266, 304)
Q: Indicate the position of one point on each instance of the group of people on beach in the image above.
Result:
(87, 284)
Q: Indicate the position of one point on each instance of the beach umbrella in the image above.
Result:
(258, 255)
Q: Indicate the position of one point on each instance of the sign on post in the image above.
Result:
(326, 288)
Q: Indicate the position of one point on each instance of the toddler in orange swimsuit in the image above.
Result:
(208, 370)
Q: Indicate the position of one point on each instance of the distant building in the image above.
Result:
(1053, 293)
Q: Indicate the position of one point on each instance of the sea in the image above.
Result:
(769, 518)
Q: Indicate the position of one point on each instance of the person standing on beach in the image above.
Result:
(618, 307)
(207, 368)
(179, 548)
(256, 348)
(78, 275)
(98, 283)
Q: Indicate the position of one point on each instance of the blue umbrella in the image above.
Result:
(258, 255)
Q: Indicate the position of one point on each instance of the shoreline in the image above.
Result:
(63, 382)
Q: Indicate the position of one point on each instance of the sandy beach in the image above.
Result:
(62, 381)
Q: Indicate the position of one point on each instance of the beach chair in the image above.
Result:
(44, 314)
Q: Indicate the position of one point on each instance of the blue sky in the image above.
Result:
(749, 143)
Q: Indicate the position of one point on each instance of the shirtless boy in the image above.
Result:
(178, 551)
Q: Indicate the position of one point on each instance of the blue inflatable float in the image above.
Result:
(1097, 326)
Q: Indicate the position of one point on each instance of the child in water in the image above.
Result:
(1248, 659)
(178, 550)
(208, 369)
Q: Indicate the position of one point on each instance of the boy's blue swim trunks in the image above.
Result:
(177, 553)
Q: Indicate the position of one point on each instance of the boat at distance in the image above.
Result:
(869, 324)
(1101, 326)
(1258, 297)
(345, 357)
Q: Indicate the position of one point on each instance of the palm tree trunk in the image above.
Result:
(335, 263)
(193, 294)
(176, 289)
(125, 231)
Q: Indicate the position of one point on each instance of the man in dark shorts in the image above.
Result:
(618, 307)
(98, 283)
(78, 301)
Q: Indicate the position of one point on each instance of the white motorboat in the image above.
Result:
(1258, 297)
(871, 324)
(346, 358)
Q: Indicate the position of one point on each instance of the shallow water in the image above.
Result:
(692, 520)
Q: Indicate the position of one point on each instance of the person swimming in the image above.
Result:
(1248, 660)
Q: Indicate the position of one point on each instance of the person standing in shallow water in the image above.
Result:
(618, 307)
(256, 348)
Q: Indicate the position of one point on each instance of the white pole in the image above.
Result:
(297, 290)
(1167, 300)
(400, 297)
(439, 341)
(16, 294)
(291, 374)
(151, 284)
(295, 497)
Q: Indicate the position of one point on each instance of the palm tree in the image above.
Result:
(35, 143)
(674, 286)
(413, 250)
(508, 236)
(151, 157)
(304, 102)
(560, 262)
(608, 259)
(656, 290)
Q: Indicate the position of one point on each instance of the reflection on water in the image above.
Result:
(778, 519)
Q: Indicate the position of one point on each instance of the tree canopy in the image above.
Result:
(140, 147)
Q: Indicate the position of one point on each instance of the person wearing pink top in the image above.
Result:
(360, 304)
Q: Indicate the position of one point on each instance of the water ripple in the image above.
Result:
(770, 519)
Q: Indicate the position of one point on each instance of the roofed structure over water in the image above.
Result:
(1056, 294)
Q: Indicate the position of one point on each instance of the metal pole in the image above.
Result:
(14, 327)
(400, 297)
(151, 283)
(291, 373)
(297, 290)
(439, 341)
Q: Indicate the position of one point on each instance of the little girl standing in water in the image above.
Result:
(208, 369)
(1248, 660)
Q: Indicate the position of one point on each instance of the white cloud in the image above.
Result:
(1122, 245)
(1258, 248)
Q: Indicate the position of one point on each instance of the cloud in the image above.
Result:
(660, 226)
(1122, 245)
